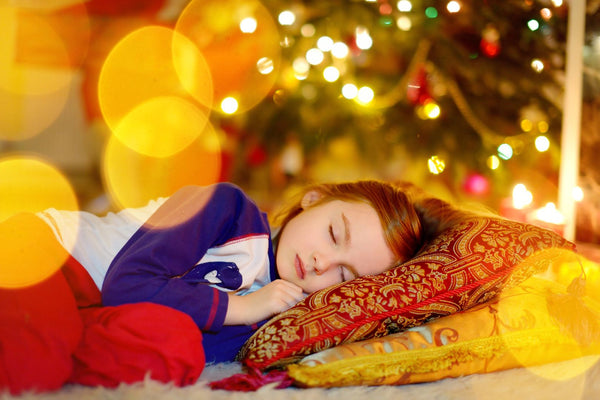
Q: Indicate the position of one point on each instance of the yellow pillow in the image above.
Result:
(513, 331)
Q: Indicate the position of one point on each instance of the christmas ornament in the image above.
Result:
(490, 41)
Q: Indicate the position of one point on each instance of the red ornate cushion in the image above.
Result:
(465, 265)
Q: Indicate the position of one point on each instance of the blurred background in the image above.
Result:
(105, 104)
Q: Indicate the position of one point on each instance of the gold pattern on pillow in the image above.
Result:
(512, 331)
(464, 266)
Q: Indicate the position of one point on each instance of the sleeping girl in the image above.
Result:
(210, 253)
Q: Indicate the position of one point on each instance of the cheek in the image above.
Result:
(324, 281)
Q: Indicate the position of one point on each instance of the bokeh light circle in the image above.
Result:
(29, 184)
(35, 74)
(151, 62)
(132, 178)
(29, 251)
(162, 126)
(233, 53)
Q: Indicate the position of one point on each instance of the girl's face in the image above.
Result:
(330, 243)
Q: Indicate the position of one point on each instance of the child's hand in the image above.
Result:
(274, 298)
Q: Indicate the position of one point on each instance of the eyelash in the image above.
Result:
(331, 234)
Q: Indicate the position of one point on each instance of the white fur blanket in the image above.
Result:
(572, 380)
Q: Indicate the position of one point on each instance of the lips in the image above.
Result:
(299, 267)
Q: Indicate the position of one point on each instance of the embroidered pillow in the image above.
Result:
(516, 330)
(465, 265)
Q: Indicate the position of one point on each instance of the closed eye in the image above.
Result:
(331, 234)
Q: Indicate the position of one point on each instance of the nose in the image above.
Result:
(322, 263)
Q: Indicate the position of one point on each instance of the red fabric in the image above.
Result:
(40, 328)
(82, 285)
(55, 331)
(124, 343)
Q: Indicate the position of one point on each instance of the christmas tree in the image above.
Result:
(453, 83)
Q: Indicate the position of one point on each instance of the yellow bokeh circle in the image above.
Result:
(29, 184)
(240, 42)
(162, 126)
(132, 178)
(151, 62)
(29, 250)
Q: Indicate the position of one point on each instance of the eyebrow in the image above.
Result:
(347, 237)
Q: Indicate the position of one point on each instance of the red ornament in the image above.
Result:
(490, 41)
(490, 49)
(418, 88)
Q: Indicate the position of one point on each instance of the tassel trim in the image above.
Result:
(253, 380)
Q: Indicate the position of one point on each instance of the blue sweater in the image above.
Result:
(202, 242)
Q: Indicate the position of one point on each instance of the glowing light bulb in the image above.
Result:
(349, 91)
(248, 25)
(505, 151)
(265, 65)
(365, 95)
(404, 23)
(286, 18)
(493, 162)
(436, 165)
(308, 30)
(542, 143)
(526, 125)
(331, 74)
(521, 197)
(453, 6)
(300, 65)
(229, 105)
(363, 38)
(431, 12)
(325, 43)
(404, 6)
(314, 56)
(549, 213)
(533, 25)
(432, 110)
(340, 50)
(537, 65)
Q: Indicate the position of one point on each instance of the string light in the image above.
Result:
(537, 65)
(331, 74)
(453, 6)
(542, 143)
(577, 194)
(265, 66)
(314, 56)
(526, 125)
(308, 30)
(533, 25)
(521, 197)
(229, 105)
(365, 95)
(431, 109)
(436, 165)
(404, 23)
(505, 151)
(248, 25)
(325, 43)
(349, 91)
(431, 12)
(286, 18)
(404, 6)
(363, 38)
(340, 50)
(493, 162)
